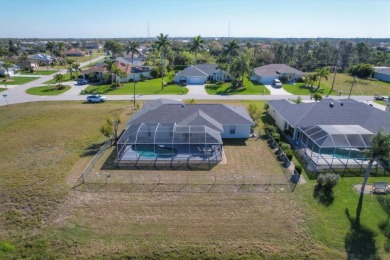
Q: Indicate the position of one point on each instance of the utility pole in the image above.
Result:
(134, 89)
(353, 82)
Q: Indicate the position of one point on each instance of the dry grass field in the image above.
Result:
(45, 147)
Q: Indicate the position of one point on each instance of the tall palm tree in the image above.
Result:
(76, 67)
(109, 66)
(231, 49)
(133, 48)
(238, 68)
(70, 63)
(322, 73)
(379, 150)
(50, 46)
(196, 45)
(162, 45)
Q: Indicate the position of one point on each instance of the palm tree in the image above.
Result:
(231, 49)
(115, 70)
(109, 66)
(379, 150)
(322, 73)
(238, 68)
(133, 48)
(196, 46)
(7, 65)
(162, 45)
(70, 62)
(59, 78)
(76, 67)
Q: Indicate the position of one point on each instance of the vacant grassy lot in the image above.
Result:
(151, 87)
(249, 88)
(16, 80)
(367, 87)
(46, 91)
(38, 72)
(48, 145)
(301, 89)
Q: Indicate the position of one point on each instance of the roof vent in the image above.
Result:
(182, 105)
(342, 104)
(331, 104)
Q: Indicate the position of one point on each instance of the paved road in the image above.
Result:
(18, 94)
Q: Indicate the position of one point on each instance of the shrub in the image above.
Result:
(271, 128)
(298, 168)
(300, 80)
(285, 147)
(276, 136)
(131, 80)
(266, 106)
(361, 70)
(289, 155)
(317, 96)
(327, 180)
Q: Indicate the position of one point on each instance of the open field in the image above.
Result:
(46, 91)
(250, 88)
(16, 80)
(146, 87)
(367, 87)
(43, 217)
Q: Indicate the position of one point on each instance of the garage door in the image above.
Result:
(267, 80)
(196, 80)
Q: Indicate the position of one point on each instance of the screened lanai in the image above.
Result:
(335, 146)
(168, 142)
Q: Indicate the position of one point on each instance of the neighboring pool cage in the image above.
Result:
(335, 146)
(142, 142)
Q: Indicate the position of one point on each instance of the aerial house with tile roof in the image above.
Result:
(171, 132)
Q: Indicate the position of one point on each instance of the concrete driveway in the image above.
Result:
(196, 90)
(277, 91)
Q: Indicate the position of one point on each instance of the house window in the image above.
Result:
(232, 130)
(285, 125)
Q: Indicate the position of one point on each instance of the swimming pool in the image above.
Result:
(152, 151)
(342, 153)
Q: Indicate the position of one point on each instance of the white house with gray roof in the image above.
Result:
(171, 130)
(382, 73)
(267, 73)
(331, 133)
(199, 74)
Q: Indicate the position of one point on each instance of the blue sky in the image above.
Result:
(248, 18)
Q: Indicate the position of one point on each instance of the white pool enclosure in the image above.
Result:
(169, 143)
(335, 146)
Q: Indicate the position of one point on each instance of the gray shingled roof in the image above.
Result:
(211, 115)
(200, 70)
(343, 112)
(275, 69)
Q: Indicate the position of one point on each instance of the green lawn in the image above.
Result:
(367, 87)
(250, 88)
(330, 222)
(17, 80)
(148, 87)
(301, 89)
(67, 78)
(2, 89)
(46, 91)
(381, 102)
(38, 72)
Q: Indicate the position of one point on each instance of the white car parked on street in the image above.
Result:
(96, 99)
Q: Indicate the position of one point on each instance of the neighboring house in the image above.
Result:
(42, 58)
(199, 74)
(266, 74)
(132, 72)
(382, 73)
(93, 45)
(330, 130)
(172, 130)
(11, 71)
(74, 53)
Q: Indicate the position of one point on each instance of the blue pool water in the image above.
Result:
(151, 151)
